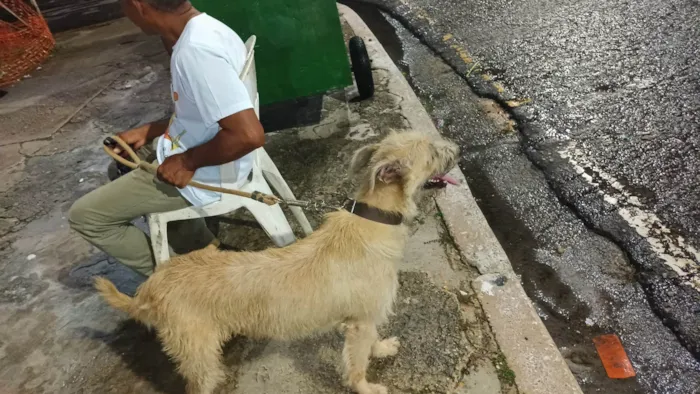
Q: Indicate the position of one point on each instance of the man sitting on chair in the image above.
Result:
(213, 123)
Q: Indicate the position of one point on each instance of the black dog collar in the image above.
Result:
(374, 214)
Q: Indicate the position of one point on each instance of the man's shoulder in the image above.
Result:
(209, 33)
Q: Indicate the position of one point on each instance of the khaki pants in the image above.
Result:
(104, 218)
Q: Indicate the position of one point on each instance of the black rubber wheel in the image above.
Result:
(361, 67)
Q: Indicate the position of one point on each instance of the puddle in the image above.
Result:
(562, 313)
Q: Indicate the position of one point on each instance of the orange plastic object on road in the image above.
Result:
(615, 360)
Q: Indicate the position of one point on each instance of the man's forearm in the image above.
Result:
(156, 129)
(221, 149)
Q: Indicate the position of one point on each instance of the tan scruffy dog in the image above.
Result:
(344, 274)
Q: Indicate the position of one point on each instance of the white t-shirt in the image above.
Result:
(205, 66)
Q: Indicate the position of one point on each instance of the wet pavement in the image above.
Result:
(588, 269)
(62, 15)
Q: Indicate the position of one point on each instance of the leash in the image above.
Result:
(135, 163)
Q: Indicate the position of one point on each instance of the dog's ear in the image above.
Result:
(391, 171)
(360, 160)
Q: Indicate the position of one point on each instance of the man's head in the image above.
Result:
(149, 14)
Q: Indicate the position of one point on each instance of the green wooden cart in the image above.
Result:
(300, 50)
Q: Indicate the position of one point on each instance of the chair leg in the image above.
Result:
(301, 218)
(273, 221)
(159, 238)
(274, 178)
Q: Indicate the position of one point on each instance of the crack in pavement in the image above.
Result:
(66, 120)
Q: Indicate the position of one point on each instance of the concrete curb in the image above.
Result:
(521, 335)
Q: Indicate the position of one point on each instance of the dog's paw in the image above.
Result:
(364, 387)
(377, 389)
(386, 348)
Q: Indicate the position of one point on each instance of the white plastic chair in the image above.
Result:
(270, 218)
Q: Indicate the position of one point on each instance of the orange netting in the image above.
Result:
(25, 40)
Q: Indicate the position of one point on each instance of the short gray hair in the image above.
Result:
(166, 5)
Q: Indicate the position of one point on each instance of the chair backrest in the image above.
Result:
(228, 171)
(249, 76)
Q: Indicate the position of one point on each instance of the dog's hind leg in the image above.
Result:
(386, 348)
(359, 340)
(198, 357)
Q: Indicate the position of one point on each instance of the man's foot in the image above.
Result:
(229, 248)
(116, 170)
(82, 275)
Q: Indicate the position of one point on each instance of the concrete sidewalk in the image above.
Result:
(465, 323)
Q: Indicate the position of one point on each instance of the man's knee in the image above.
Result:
(80, 215)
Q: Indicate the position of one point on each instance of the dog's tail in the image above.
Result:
(114, 297)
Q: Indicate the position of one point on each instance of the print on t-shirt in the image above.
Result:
(174, 142)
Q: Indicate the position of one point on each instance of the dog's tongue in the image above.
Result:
(446, 179)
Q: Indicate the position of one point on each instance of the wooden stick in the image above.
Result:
(136, 163)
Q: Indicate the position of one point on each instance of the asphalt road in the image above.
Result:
(593, 191)
(64, 15)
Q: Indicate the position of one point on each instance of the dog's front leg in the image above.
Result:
(360, 338)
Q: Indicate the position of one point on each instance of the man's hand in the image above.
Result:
(142, 135)
(136, 138)
(176, 171)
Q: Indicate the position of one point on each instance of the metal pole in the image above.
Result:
(13, 14)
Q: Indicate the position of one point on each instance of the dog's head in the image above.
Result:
(411, 160)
